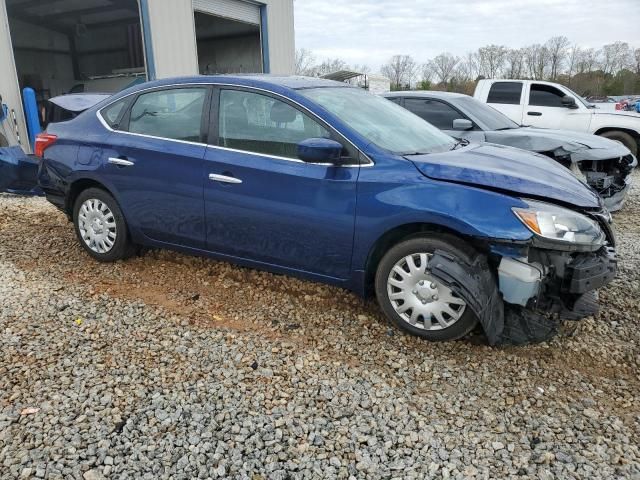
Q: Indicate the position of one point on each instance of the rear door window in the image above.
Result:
(545, 96)
(173, 113)
(258, 123)
(505, 92)
(437, 113)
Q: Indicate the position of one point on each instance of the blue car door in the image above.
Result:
(155, 159)
(265, 205)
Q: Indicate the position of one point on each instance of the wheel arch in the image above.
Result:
(79, 186)
(403, 232)
(634, 133)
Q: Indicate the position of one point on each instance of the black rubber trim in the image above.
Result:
(589, 272)
(476, 285)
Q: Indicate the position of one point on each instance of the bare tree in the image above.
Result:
(587, 60)
(466, 70)
(327, 66)
(615, 57)
(491, 58)
(305, 61)
(537, 60)
(636, 60)
(514, 63)
(426, 72)
(443, 66)
(360, 68)
(572, 60)
(400, 69)
(557, 51)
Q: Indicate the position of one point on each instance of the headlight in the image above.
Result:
(560, 224)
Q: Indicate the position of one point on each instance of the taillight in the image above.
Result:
(43, 141)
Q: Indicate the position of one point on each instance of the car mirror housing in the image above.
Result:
(319, 150)
(462, 124)
(569, 102)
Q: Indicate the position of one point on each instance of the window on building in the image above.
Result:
(505, 92)
(438, 114)
(545, 96)
(262, 124)
(173, 113)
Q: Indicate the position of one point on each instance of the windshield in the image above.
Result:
(384, 123)
(490, 117)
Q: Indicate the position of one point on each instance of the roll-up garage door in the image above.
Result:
(232, 9)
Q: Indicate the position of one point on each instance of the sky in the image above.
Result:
(371, 31)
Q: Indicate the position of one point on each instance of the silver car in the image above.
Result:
(604, 164)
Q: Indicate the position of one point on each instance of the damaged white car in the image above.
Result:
(604, 164)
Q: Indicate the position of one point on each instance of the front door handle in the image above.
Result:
(223, 178)
(535, 114)
(121, 162)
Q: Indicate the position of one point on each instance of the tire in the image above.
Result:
(624, 138)
(429, 329)
(109, 240)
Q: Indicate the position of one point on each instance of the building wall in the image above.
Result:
(8, 82)
(175, 53)
(282, 43)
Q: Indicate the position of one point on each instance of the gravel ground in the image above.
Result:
(168, 366)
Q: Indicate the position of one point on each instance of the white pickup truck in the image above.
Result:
(550, 105)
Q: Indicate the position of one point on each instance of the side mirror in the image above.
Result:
(319, 150)
(569, 102)
(462, 124)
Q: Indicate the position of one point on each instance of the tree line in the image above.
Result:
(613, 69)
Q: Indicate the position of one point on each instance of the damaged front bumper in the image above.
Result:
(610, 177)
(523, 295)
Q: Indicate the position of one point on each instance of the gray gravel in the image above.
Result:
(168, 366)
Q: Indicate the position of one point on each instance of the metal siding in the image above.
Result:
(173, 37)
(233, 9)
(9, 88)
(281, 36)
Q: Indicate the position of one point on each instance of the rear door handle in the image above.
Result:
(223, 178)
(535, 114)
(121, 162)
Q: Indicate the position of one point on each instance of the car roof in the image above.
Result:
(253, 80)
(423, 93)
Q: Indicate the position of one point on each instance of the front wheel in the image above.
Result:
(624, 138)
(414, 300)
(100, 226)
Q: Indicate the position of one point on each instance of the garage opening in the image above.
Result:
(226, 45)
(67, 46)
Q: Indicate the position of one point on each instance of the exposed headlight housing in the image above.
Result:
(559, 224)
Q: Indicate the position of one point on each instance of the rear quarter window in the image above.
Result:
(505, 93)
(113, 112)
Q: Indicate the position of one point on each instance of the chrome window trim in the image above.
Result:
(369, 163)
(276, 157)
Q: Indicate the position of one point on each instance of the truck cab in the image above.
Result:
(551, 105)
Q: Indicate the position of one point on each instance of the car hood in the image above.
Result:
(581, 146)
(510, 170)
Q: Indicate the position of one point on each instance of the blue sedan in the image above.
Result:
(327, 182)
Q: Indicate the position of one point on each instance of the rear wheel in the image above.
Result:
(414, 300)
(624, 138)
(100, 226)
